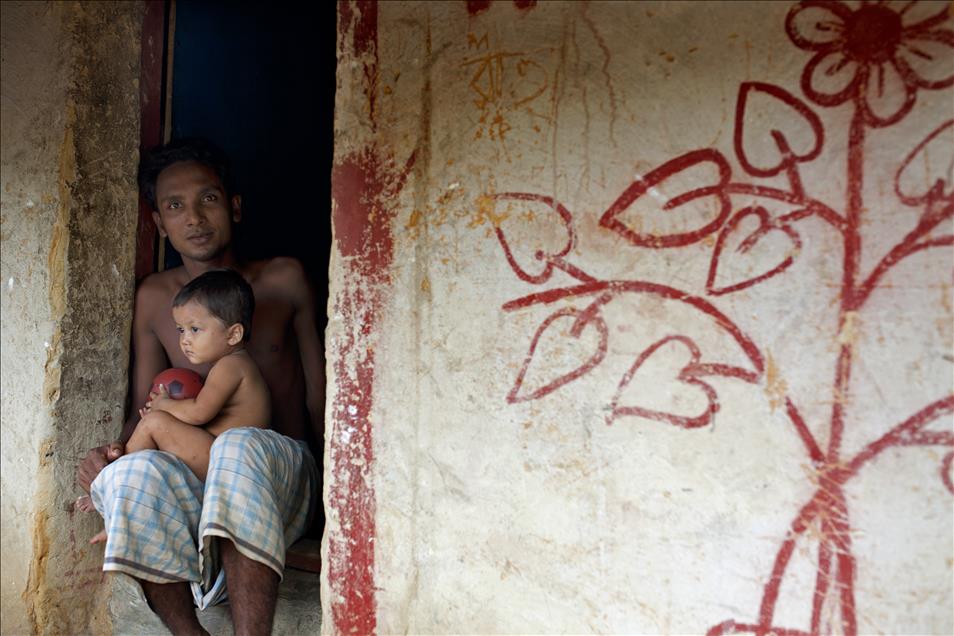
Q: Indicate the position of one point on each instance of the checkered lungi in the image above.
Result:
(160, 519)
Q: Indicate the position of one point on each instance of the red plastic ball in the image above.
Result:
(182, 384)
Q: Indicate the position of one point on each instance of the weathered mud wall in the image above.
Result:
(70, 129)
(641, 319)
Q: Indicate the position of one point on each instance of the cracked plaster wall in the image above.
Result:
(595, 408)
(70, 129)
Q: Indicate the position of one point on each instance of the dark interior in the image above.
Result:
(258, 79)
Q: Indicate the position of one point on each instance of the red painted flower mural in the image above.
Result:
(875, 57)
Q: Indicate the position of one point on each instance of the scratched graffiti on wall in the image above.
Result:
(503, 84)
(874, 59)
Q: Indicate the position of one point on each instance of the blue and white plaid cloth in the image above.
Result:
(260, 492)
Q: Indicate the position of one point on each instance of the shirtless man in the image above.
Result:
(187, 182)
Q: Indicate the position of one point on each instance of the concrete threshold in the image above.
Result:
(297, 612)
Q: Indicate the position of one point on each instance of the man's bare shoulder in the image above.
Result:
(282, 268)
(283, 275)
(162, 284)
(155, 293)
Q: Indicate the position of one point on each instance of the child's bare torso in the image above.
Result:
(249, 404)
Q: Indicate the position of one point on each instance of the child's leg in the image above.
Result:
(159, 430)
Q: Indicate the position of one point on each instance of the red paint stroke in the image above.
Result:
(828, 510)
(364, 185)
(351, 549)
(787, 159)
(857, 46)
(946, 464)
(581, 321)
(823, 576)
(766, 226)
(363, 222)
(658, 177)
(811, 206)
(360, 19)
(905, 432)
(663, 291)
(476, 7)
(811, 445)
(935, 213)
(935, 191)
(689, 374)
(550, 260)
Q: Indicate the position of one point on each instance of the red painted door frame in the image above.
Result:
(151, 102)
(361, 186)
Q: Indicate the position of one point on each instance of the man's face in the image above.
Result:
(194, 211)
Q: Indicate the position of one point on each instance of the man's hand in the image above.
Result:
(95, 460)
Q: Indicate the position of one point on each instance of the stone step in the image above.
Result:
(297, 612)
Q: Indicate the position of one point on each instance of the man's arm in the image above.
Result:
(311, 348)
(149, 358)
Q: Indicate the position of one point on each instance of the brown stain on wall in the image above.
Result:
(36, 612)
(56, 259)
(775, 387)
(51, 368)
(36, 593)
(36, 589)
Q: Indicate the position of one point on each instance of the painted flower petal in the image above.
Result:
(923, 15)
(830, 78)
(816, 25)
(927, 59)
(887, 97)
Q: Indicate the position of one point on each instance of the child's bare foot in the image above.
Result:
(84, 504)
(99, 537)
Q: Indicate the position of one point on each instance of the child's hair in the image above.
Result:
(202, 151)
(225, 294)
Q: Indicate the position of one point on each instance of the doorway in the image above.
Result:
(258, 80)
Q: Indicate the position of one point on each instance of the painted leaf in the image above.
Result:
(678, 203)
(682, 399)
(928, 171)
(768, 250)
(569, 350)
(553, 239)
(774, 129)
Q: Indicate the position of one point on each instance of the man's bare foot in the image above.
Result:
(85, 504)
(99, 537)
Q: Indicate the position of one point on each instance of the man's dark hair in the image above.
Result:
(225, 294)
(195, 149)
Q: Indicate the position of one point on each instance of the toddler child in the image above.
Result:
(213, 314)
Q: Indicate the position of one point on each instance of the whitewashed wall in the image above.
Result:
(664, 344)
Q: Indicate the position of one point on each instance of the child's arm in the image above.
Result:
(223, 380)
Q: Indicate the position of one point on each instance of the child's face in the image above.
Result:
(203, 337)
